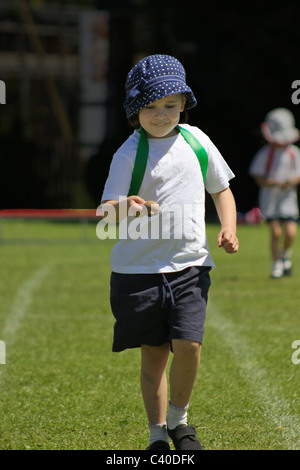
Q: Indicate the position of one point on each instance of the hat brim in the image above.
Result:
(288, 136)
(148, 96)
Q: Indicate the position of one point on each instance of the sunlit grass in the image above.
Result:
(63, 388)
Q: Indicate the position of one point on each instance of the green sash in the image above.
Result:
(142, 157)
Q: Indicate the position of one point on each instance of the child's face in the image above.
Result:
(160, 118)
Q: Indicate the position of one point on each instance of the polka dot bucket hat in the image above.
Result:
(153, 78)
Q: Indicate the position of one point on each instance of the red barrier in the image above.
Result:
(48, 213)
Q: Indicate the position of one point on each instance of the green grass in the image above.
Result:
(63, 388)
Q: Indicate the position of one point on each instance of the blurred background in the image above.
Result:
(64, 64)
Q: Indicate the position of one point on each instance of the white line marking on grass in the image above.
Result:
(20, 305)
(275, 406)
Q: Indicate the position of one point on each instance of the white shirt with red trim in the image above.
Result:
(281, 164)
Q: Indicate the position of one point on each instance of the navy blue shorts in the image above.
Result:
(153, 309)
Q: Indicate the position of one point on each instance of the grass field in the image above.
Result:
(63, 388)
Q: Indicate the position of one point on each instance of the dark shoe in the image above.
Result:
(184, 438)
(159, 445)
(287, 267)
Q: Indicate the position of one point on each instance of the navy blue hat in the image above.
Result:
(153, 78)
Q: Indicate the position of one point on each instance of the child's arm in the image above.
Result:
(226, 209)
(271, 182)
(114, 211)
(263, 181)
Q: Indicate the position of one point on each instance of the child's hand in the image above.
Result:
(135, 205)
(138, 206)
(228, 240)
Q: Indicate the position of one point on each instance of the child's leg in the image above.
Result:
(183, 371)
(154, 381)
(277, 264)
(275, 231)
(290, 231)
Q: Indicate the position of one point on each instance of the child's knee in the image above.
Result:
(276, 232)
(290, 230)
(183, 348)
(154, 357)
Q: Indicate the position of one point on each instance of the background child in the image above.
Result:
(159, 285)
(276, 170)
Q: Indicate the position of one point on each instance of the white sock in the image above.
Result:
(158, 432)
(176, 416)
(286, 254)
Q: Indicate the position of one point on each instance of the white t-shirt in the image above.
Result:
(175, 238)
(274, 201)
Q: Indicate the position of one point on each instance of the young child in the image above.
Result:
(159, 284)
(276, 170)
